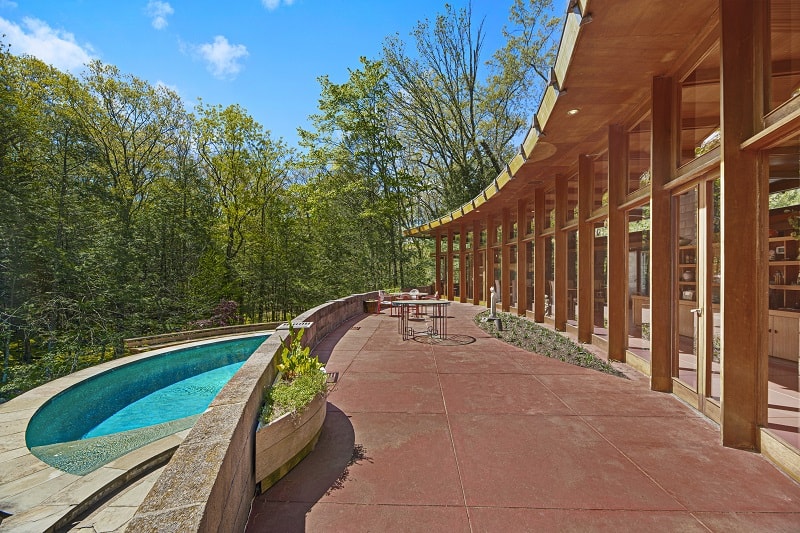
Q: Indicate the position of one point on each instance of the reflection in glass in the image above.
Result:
(639, 281)
(685, 362)
(600, 277)
(572, 278)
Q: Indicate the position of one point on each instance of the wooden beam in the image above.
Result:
(744, 199)
(617, 243)
(585, 251)
(661, 311)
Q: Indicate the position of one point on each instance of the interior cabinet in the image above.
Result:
(784, 334)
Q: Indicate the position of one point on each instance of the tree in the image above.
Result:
(359, 157)
(521, 69)
(245, 169)
(460, 122)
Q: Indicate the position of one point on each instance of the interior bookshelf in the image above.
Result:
(784, 274)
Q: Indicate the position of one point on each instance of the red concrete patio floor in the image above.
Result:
(487, 437)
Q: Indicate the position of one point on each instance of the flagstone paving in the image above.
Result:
(488, 437)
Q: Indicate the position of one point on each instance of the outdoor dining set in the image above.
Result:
(413, 307)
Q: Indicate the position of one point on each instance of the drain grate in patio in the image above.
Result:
(449, 340)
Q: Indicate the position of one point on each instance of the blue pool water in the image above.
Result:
(121, 409)
(185, 398)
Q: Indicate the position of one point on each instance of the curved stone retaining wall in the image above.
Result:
(209, 483)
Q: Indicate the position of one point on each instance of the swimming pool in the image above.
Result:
(117, 411)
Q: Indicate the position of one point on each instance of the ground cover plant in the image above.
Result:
(532, 337)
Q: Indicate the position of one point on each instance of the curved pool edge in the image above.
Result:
(217, 492)
(39, 496)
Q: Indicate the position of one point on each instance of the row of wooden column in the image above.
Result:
(744, 209)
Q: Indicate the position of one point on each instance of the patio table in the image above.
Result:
(437, 315)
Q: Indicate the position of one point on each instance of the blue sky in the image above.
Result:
(265, 55)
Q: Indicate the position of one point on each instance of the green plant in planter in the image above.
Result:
(301, 378)
(295, 359)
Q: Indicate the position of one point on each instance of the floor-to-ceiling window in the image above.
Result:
(638, 238)
(784, 291)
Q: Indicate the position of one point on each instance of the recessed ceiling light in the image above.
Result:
(573, 111)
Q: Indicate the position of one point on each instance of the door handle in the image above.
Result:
(698, 311)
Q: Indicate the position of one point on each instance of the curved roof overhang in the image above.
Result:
(610, 51)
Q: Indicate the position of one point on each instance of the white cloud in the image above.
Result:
(55, 47)
(222, 57)
(173, 88)
(8, 3)
(158, 12)
(275, 4)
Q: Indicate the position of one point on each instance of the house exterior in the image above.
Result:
(653, 208)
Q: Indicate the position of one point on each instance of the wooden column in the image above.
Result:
(522, 258)
(476, 264)
(538, 257)
(662, 161)
(450, 264)
(505, 262)
(617, 243)
(744, 199)
(561, 256)
(585, 251)
(462, 260)
(438, 254)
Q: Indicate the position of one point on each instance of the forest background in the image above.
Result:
(122, 214)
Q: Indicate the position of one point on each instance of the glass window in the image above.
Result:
(783, 288)
(549, 274)
(600, 181)
(550, 209)
(512, 274)
(639, 281)
(700, 108)
(639, 156)
(529, 249)
(468, 264)
(600, 277)
(572, 198)
(572, 277)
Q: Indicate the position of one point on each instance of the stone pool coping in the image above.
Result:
(40, 497)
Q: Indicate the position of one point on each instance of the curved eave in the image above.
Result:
(604, 69)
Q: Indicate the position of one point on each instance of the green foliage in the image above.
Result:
(535, 338)
(125, 215)
(303, 379)
(292, 396)
(296, 360)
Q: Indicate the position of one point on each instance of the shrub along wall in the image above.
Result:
(209, 483)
